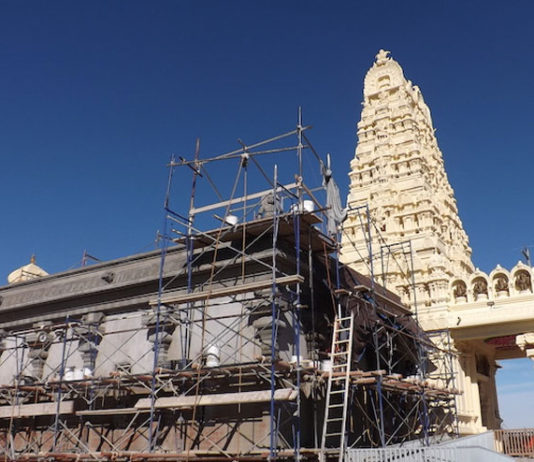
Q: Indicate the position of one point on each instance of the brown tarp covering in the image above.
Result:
(373, 307)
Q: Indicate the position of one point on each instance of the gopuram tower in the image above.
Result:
(403, 227)
(398, 172)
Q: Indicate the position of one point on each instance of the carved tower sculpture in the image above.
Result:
(398, 172)
(401, 203)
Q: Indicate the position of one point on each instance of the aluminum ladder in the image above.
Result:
(337, 394)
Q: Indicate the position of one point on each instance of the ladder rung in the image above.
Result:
(342, 341)
(330, 406)
(337, 392)
(346, 318)
(333, 434)
(343, 329)
(339, 353)
(337, 419)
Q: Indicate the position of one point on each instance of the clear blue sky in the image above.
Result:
(95, 96)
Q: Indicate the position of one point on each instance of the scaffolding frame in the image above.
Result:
(430, 391)
(212, 335)
(186, 312)
(183, 230)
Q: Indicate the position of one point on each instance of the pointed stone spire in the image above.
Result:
(398, 171)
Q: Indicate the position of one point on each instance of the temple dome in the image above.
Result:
(26, 272)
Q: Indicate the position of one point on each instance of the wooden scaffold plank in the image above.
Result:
(218, 399)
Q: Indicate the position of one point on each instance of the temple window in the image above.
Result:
(383, 81)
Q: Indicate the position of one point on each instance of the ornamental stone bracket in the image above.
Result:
(39, 343)
(526, 343)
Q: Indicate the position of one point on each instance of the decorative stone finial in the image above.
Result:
(32, 259)
(382, 56)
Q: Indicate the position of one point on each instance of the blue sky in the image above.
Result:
(96, 96)
(515, 385)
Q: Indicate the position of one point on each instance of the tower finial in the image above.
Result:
(382, 56)
(32, 258)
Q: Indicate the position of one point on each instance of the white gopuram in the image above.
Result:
(417, 247)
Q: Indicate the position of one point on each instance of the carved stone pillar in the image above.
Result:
(264, 333)
(162, 341)
(261, 319)
(422, 294)
(160, 338)
(440, 292)
(89, 337)
(469, 410)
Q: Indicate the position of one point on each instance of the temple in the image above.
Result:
(271, 323)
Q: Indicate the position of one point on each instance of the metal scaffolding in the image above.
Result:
(243, 342)
(267, 209)
(402, 404)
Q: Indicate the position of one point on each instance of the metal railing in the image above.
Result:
(426, 454)
(516, 443)
(492, 446)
